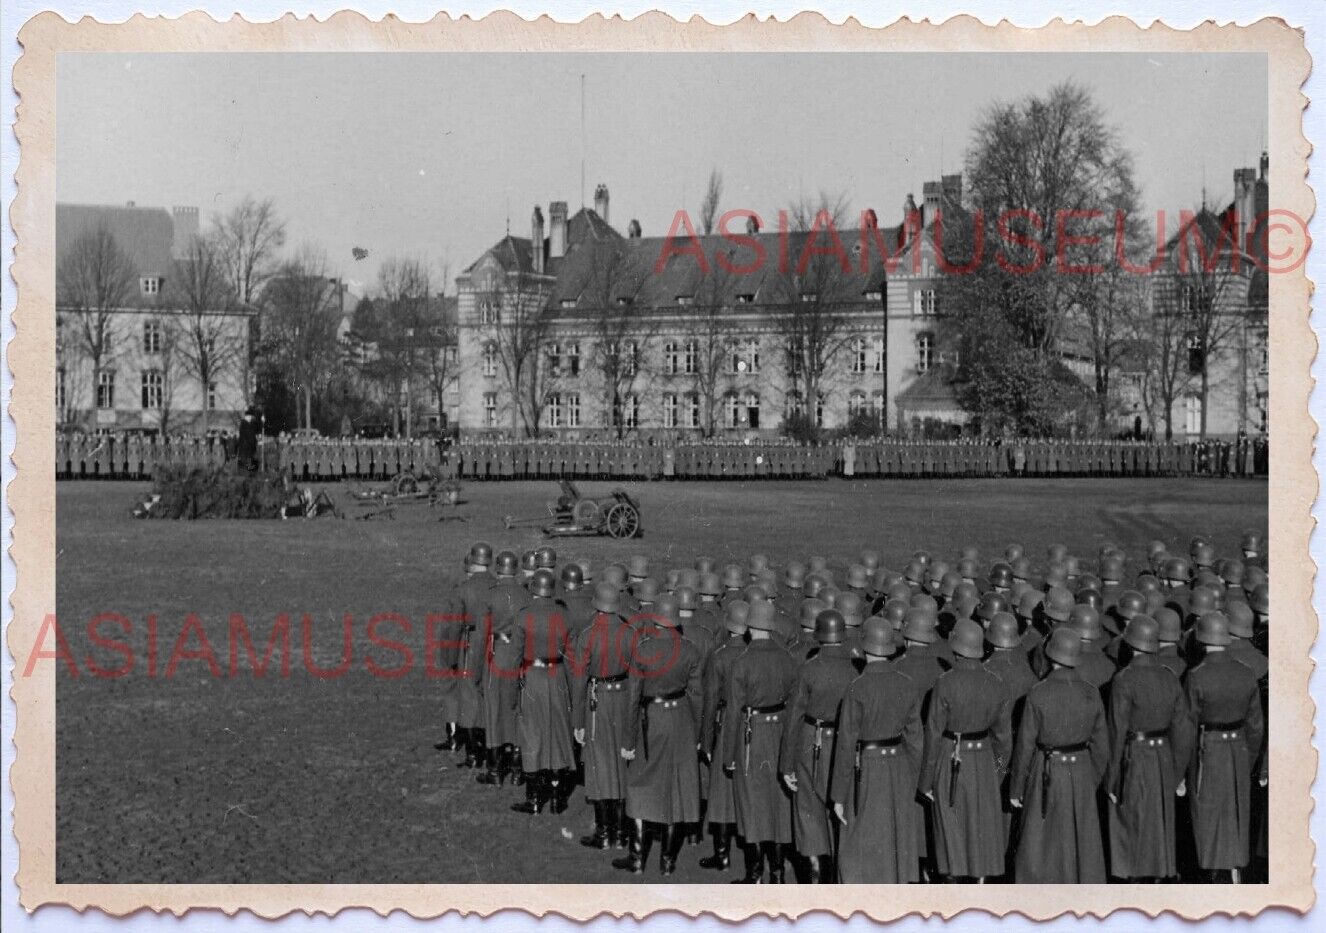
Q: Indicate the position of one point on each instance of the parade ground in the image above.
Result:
(175, 771)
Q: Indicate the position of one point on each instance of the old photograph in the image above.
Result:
(784, 468)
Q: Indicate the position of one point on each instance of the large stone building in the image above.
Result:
(130, 352)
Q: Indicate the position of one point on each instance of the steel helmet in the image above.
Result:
(858, 577)
(481, 554)
(870, 560)
(1056, 575)
(1056, 552)
(638, 568)
(1058, 604)
(899, 591)
(794, 575)
(1260, 599)
(885, 578)
(686, 599)
(615, 574)
(1232, 572)
(1251, 543)
(758, 563)
(1111, 569)
(1064, 646)
(1001, 575)
(529, 562)
(949, 583)
(1240, 620)
(810, 611)
(814, 585)
(921, 557)
(920, 625)
(895, 610)
(1176, 570)
(1131, 603)
(922, 601)
(967, 640)
(1028, 603)
(830, 595)
(705, 565)
(710, 584)
(507, 564)
(1012, 552)
(968, 568)
(586, 570)
(1003, 631)
(1253, 577)
(830, 627)
(1021, 568)
(735, 615)
(1147, 583)
(852, 608)
(688, 576)
(818, 563)
(1073, 565)
(965, 590)
(1204, 554)
(762, 616)
(1091, 598)
(935, 570)
(971, 552)
(543, 583)
(645, 591)
(1201, 600)
(573, 578)
(671, 579)
(1207, 577)
(1143, 634)
(877, 638)
(665, 611)
(991, 605)
(1213, 629)
(915, 572)
(546, 557)
(755, 593)
(607, 598)
(1089, 581)
(1087, 622)
(734, 578)
(1156, 547)
(1169, 625)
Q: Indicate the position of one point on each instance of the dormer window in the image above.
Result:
(685, 300)
(745, 298)
(873, 295)
(625, 301)
(150, 284)
(568, 302)
(809, 296)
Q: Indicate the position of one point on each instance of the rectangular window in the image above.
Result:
(690, 357)
(670, 358)
(106, 389)
(489, 360)
(554, 360)
(488, 311)
(573, 359)
(733, 411)
(877, 352)
(694, 420)
(153, 389)
(555, 410)
(685, 300)
(211, 396)
(149, 285)
(490, 409)
(627, 413)
(151, 337)
(745, 357)
(632, 362)
(859, 355)
(573, 410)
(669, 409)
(819, 410)
(924, 302)
(925, 349)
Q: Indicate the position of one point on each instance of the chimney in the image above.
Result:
(930, 197)
(1245, 202)
(1265, 165)
(536, 238)
(185, 230)
(633, 229)
(910, 216)
(601, 201)
(556, 229)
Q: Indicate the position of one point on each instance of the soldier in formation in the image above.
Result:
(1074, 722)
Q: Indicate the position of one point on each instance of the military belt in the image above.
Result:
(1235, 726)
(1047, 771)
(865, 745)
(663, 697)
(542, 662)
(610, 679)
(967, 736)
(820, 723)
(748, 715)
(1154, 735)
(888, 746)
(764, 710)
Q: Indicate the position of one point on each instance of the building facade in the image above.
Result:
(130, 352)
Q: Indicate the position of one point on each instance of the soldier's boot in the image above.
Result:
(722, 856)
(773, 855)
(449, 743)
(1236, 876)
(562, 786)
(598, 839)
(697, 829)
(491, 764)
(634, 860)
(534, 795)
(515, 766)
(673, 837)
(474, 748)
(617, 822)
(828, 870)
(754, 864)
(813, 875)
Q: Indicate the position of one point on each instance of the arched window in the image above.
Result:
(490, 359)
(925, 350)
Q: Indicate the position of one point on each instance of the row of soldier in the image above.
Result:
(935, 723)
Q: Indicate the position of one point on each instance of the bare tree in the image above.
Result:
(1161, 348)
(249, 238)
(398, 329)
(713, 193)
(95, 279)
(1106, 310)
(167, 362)
(440, 345)
(303, 305)
(207, 342)
(712, 331)
(519, 335)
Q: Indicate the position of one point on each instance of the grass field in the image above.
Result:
(194, 778)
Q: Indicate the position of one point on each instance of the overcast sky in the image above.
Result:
(428, 154)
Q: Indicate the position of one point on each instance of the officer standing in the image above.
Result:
(462, 702)
(601, 714)
(967, 748)
(501, 670)
(877, 756)
(722, 814)
(666, 698)
(576, 601)
(1225, 707)
(1062, 748)
(544, 700)
(758, 687)
(1150, 741)
(808, 738)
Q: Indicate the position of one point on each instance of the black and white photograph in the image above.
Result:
(785, 468)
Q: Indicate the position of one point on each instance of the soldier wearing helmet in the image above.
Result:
(1000, 578)
(601, 713)
(876, 762)
(806, 644)
(759, 683)
(721, 809)
(1225, 702)
(1169, 631)
(544, 704)
(921, 658)
(1008, 660)
(1062, 748)
(808, 736)
(546, 558)
(506, 599)
(1148, 716)
(967, 749)
(734, 581)
(576, 600)
(708, 614)
(529, 562)
(1093, 666)
(462, 699)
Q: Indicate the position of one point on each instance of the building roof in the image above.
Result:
(931, 388)
(146, 234)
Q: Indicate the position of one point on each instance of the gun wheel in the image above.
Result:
(623, 521)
